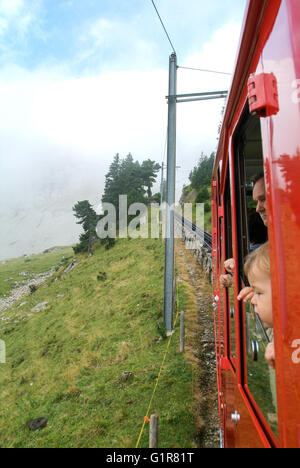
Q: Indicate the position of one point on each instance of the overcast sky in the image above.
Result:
(82, 80)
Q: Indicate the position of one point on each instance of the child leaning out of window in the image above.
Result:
(257, 269)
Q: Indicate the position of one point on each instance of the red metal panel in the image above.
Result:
(246, 432)
(228, 387)
(249, 433)
(281, 136)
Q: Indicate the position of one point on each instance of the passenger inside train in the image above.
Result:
(257, 234)
(259, 196)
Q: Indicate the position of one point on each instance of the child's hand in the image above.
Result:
(246, 294)
(226, 281)
(270, 355)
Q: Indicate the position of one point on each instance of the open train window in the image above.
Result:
(258, 379)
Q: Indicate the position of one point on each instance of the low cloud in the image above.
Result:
(58, 135)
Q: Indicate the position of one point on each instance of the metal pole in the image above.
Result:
(170, 197)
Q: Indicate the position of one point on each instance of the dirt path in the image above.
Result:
(200, 346)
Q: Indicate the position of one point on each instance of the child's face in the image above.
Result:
(262, 299)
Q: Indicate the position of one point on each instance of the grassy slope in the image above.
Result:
(66, 362)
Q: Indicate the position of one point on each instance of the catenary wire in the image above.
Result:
(152, 1)
(206, 71)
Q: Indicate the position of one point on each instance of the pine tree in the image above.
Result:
(132, 182)
(113, 182)
(149, 174)
(88, 219)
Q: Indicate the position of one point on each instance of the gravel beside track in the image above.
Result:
(200, 348)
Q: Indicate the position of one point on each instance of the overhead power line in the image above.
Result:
(152, 1)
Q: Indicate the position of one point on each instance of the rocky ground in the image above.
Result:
(22, 289)
(200, 345)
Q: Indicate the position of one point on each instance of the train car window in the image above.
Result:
(230, 292)
(259, 379)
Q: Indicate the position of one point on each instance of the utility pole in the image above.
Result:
(173, 99)
(170, 197)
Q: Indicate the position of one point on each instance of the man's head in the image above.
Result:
(259, 196)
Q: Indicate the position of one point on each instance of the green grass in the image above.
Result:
(66, 362)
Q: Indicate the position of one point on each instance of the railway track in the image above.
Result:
(204, 237)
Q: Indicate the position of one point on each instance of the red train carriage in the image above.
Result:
(261, 132)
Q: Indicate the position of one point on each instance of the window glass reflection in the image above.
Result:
(261, 378)
(231, 311)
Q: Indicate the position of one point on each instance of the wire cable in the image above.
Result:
(152, 1)
(156, 384)
(206, 71)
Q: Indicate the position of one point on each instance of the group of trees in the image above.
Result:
(129, 177)
(200, 176)
(125, 177)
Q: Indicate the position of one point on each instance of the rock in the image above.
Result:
(102, 276)
(36, 424)
(126, 376)
(32, 288)
(70, 267)
(51, 250)
(40, 307)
